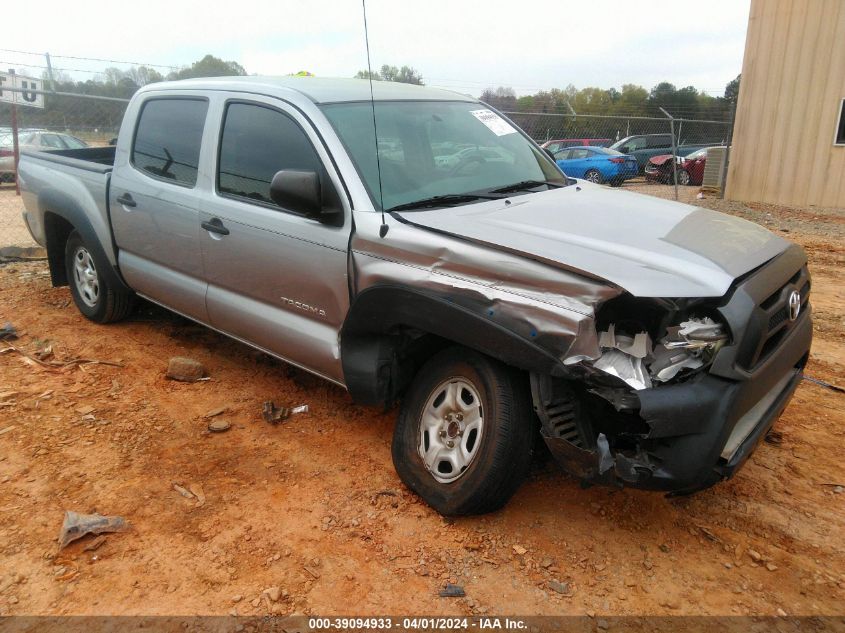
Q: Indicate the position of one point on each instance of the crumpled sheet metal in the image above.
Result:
(77, 525)
(552, 308)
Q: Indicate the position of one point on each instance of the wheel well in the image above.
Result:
(57, 229)
(391, 331)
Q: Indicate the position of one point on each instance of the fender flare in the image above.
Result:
(53, 203)
(369, 339)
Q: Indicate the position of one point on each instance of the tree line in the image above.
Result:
(630, 100)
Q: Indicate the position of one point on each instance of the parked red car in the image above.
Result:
(690, 168)
(562, 143)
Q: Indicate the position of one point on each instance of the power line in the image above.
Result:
(88, 59)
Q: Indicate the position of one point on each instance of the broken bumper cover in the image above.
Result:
(701, 431)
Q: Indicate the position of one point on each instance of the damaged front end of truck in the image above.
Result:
(682, 390)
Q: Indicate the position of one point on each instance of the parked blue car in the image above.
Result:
(597, 164)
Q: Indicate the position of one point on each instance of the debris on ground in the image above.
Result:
(562, 588)
(824, 384)
(219, 425)
(198, 492)
(183, 491)
(774, 437)
(78, 525)
(22, 253)
(185, 369)
(215, 412)
(95, 544)
(8, 332)
(57, 364)
(274, 415)
(452, 591)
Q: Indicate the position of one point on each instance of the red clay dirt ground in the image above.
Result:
(313, 507)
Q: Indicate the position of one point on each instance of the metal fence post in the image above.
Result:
(674, 151)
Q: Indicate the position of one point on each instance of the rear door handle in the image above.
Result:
(215, 225)
(126, 200)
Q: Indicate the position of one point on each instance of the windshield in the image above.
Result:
(436, 148)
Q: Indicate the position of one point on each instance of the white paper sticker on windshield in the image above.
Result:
(497, 124)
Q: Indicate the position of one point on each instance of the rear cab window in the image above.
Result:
(168, 138)
(256, 142)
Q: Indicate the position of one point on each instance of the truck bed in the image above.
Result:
(74, 182)
(98, 159)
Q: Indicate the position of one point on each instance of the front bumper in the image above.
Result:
(701, 431)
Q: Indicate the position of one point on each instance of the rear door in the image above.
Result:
(275, 278)
(578, 162)
(153, 203)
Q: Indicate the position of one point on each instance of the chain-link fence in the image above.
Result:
(66, 121)
(69, 120)
(616, 149)
(606, 130)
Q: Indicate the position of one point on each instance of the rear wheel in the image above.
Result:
(683, 177)
(465, 433)
(593, 175)
(94, 293)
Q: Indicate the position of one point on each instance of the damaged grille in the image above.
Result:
(775, 316)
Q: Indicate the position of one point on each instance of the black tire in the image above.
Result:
(593, 175)
(103, 302)
(505, 444)
(616, 182)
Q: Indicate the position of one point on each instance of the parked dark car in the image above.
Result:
(562, 143)
(690, 168)
(646, 146)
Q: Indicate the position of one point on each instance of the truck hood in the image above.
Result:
(647, 246)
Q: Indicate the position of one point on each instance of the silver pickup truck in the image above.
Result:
(418, 248)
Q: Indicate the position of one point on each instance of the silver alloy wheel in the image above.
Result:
(593, 176)
(450, 429)
(85, 277)
(683, 177)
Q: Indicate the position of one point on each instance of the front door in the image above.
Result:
(275, 278)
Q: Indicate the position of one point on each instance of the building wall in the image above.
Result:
(790, 96)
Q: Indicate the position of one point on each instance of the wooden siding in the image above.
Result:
(793, 83)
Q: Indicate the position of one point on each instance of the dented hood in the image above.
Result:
(645, 245)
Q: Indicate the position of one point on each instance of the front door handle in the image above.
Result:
(126, 200)
(215, 225)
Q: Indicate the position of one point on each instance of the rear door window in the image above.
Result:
(637, 142)
(660, 140)
(168, 139)
(257, 142)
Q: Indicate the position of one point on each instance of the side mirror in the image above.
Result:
(298, 191)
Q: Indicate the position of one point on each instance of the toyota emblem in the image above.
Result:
(794, 305)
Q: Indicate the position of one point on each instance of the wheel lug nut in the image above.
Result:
(450, 444)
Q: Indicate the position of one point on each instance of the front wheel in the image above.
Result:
(94, 292)
(464, 437)
(683, 177)
(593, 175)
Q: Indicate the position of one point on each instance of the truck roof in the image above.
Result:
(317, 89)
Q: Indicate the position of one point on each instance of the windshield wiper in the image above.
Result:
(445, 200)
(526, 184)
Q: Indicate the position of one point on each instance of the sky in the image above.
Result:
(464, 45)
